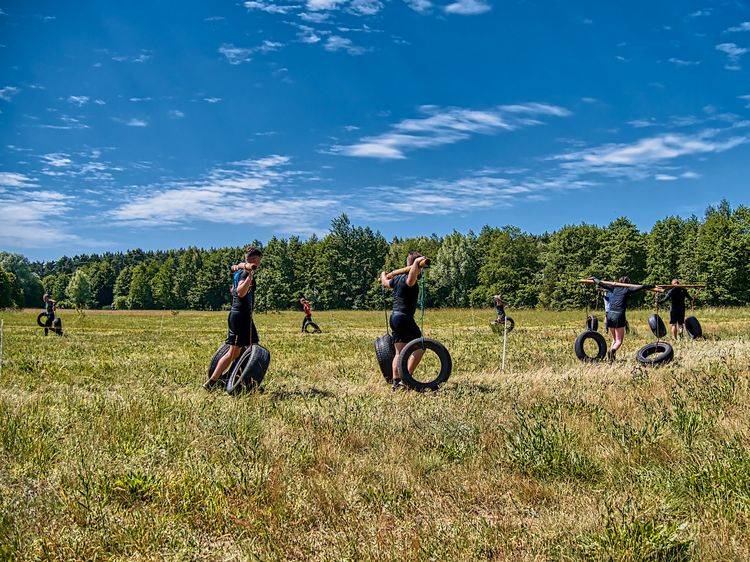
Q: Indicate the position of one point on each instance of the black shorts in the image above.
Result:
(616, 319)
(404, 328)
(242, 330)
(677, 316)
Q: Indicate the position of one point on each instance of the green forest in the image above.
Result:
(340, 269)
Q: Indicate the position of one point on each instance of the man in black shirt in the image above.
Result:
(677, 295)
(241, 332)
(405, 296)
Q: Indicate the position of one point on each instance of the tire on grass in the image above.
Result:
(657, 326)
(312, 328)
(446, 364)
(57, 326)
(601, 344)
(385, 352)
(592, 323)
(656, 353)
(693, 327)
(510, 324)
(249, 370)
(221, 352)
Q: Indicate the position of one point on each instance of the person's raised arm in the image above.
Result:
(244, 286)
(413, 276)
(384, 281)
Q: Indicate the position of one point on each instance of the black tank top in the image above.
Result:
(242, 304)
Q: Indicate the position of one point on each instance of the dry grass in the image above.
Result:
(109, 448)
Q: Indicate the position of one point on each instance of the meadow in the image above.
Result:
(110, 449)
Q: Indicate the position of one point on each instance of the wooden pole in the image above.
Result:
(505, 342)
(424, 262)
(618, 284)
(694, 286)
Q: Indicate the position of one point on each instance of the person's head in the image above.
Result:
(675, 281)
(253, 255)
(45, 298)
(497, 298)
(412, 257)
(624, 279)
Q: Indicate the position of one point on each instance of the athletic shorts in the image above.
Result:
(677, 316)
(242, 330)
(616, 319)
(404, 328)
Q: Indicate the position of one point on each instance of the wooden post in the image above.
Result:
(618, 284)
(505, 342)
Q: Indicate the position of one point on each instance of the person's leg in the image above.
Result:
(226, 361)
(396, 376)
(304, 323)
(675, 329)
(618, 334)
(414, 360)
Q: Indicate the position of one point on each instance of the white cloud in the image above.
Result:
(133, 122)
(468, 7)
(269, 7)
(307, 34)
(8, 92)
(682, 62)
(78, 100)
(689, 175)
(176, 114)
(665, 177)
(702, 13)
(315, 5)
(269, 46)
(338, 43)
(733, 52)
(365, 7)
(33, 219)
(57, 160)
(212, 100)
(446, 126)
(235, 55)
(616, 158)
(744, 26)
(420, 6)
(12, 179)
(100, 102)
(257, 192)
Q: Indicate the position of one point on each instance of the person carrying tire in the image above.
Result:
(50, 306)
(499, 309)
(616, 319)
(676, 296)
(307, 321)
(241, 332)
(403, 325)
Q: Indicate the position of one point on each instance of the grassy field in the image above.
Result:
(110, 448)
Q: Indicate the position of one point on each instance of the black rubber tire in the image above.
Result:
(385, 351)
(655, 353)
(600, 342)
(39, 320)
(250, 369)
(592, 323)
(223, 348)
(658, 328)
(57, 326)
(693, 327)
(510, 324)
(312, 328)
(446, 364)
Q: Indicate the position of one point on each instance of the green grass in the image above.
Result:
(110, 448)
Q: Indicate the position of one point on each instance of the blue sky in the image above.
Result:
(166, 124)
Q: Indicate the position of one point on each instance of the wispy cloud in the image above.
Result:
(443, 126)
(176, 114)
(247, 192)
(468, 7)
(733, 52)
(132, 122)
(421, 6)
(682, 62)
(744, 26)
(645, 153)
(235, 55)
(8, 92)
(80, 101)
(270, 7)
(338, 43)
(12, 179)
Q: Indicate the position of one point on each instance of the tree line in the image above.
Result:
(340, 269)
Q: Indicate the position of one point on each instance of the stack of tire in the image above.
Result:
(246, 373)
(658, 352)
(385, 351)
